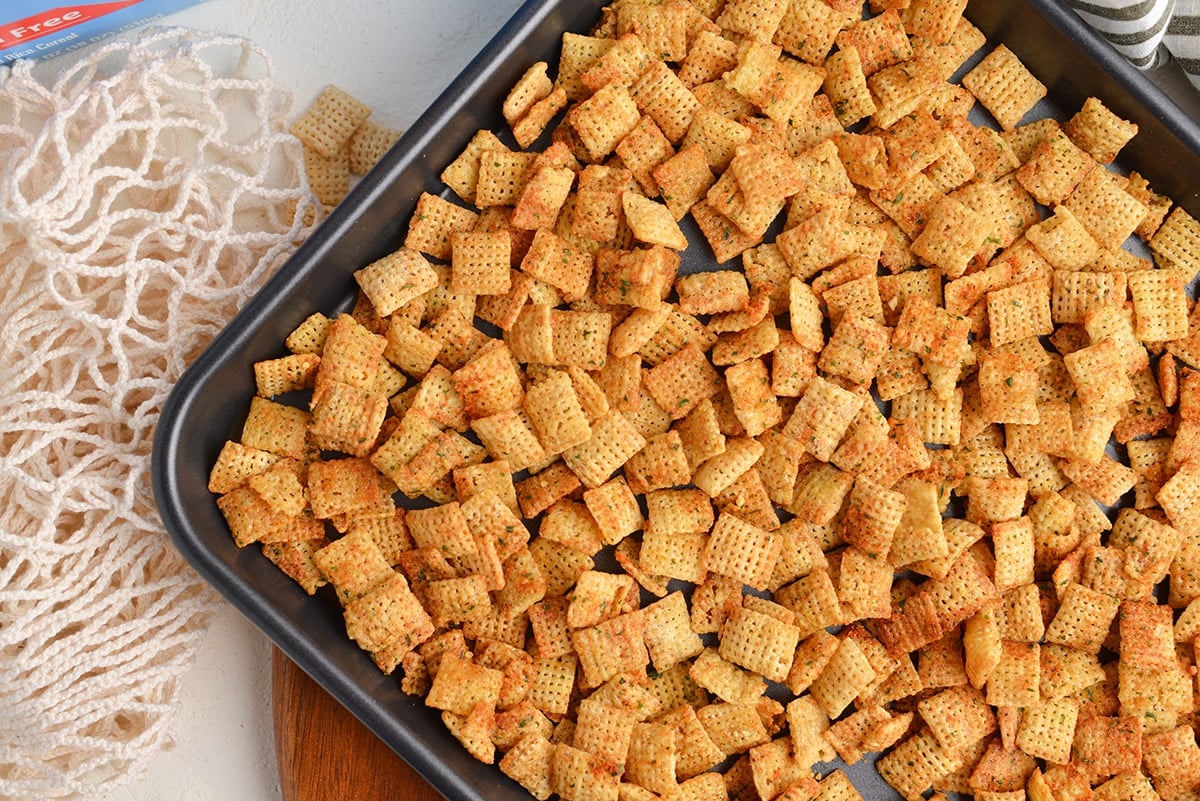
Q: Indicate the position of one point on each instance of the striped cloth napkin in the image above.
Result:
(1148, 32)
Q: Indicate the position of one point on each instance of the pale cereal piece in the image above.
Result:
(725, 680)
(1076, 293)
(620, 64)
(758, 339)
(917, 763)
(695, 750)
(864, 585)
(1014, 680)
(719, 472)
(388, 621)
(1099, 131)
(1083, 618)
(668, 634)
(1159, 304)
(433, 222)
(1008, 389)
(652, 756)
(236, 463)
(901, 89)
(819, 492)
(531, 87)
(1004, 86)
(456, 600)
(555, 413)
(1157, 205)
(734, 728)
(808, 29)
(682, 381)
(1019, 311)
(756, 19)
(1063, 241)
(604, 119)
(328, 176)
(859, 295)
(604, 730)
(881, 41)
(1055, 169)
(611, 647)
(951, 237)
(683, 179)
(719, 137)
(296, 560)
(958, 717)
(847, 735)
(1149, 546)
(502, 176)
(346, 418)
(580, 338)
(724, 238)
(663, 96)
(330, 121)
(368, 144)
(754, 402)
(1104, 207)
(531, 336)
(872, 514)
(934, 20)
(560, 264)
(352, 355)
(353, 564)
(651, 222)
(1099, 376)
(640, 278)
(846, 674)
(309, 336)
(280, 486)
(1132, 786)
(567, 522)
(612, 442)
(462, 174)
(939, 418)
(712, 292)
(578, 54)
(772, 766)
(741, 550)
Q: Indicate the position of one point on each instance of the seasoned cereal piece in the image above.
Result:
(331, 120)
(1004, 86)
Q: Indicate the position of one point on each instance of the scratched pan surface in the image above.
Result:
(210, 403)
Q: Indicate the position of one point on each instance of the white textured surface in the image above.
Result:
(397, 56)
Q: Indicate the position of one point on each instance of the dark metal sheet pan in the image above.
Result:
(210, 402)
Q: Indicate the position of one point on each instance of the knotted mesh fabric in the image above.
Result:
(145, 194)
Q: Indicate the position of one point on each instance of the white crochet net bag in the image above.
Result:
(144, 196)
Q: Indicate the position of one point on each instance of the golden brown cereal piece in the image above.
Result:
(1099, 131)
(740, 550)
(1004, 86)
(433, 223)
(1019, 311)
(1055, 169)
(856, 349)
(331, 120)
(880, 41)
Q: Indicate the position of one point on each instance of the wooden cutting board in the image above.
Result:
(325, 754)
